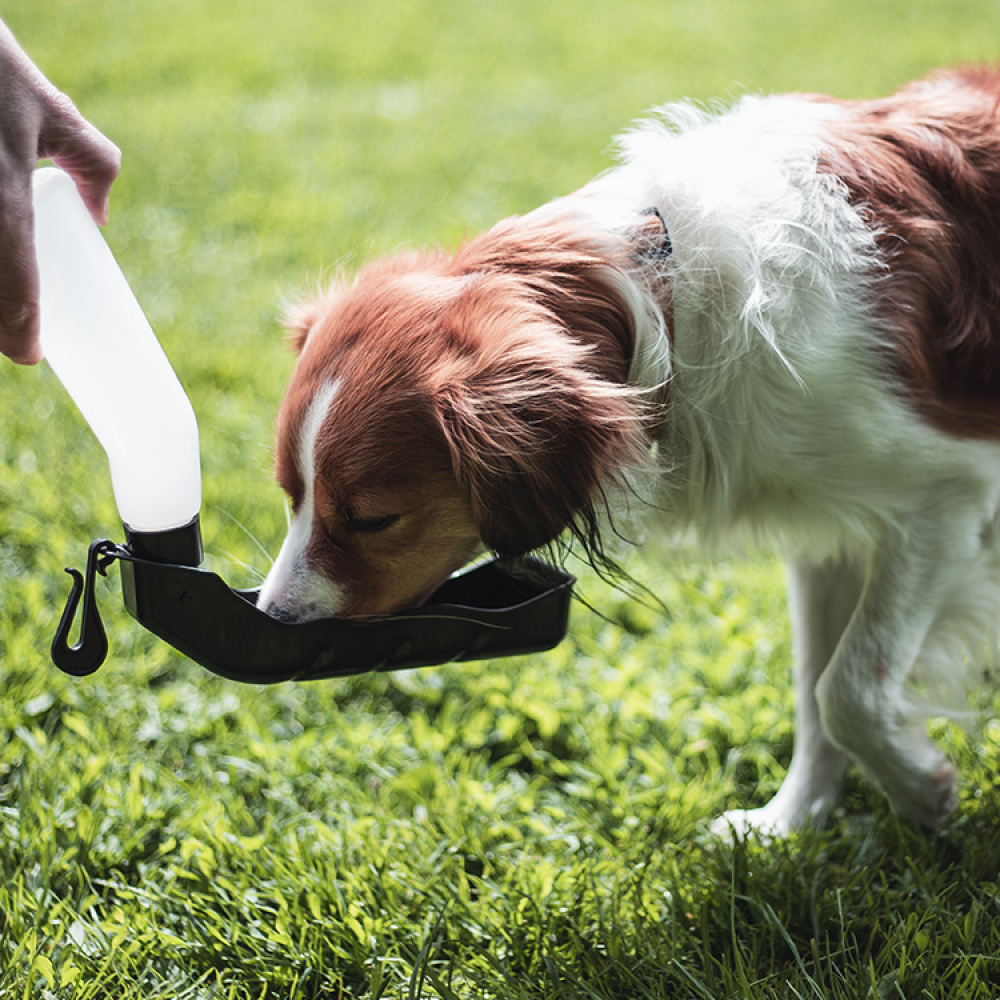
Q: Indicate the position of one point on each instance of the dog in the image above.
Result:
(777, 322)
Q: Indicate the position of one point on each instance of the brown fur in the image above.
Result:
(479, 396)
(924, 166)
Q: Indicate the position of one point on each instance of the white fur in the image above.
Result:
(782, 428)
(291, 578)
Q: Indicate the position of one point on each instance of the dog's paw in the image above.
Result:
(771, 822)
(926, 794)
(744, 824)
(793, 808)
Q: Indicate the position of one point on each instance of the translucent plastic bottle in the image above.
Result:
(101, 346)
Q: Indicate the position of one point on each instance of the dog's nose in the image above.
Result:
(281, 614)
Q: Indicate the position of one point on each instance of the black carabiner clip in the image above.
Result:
(91, 649)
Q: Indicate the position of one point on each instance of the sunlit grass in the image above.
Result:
(518, 829)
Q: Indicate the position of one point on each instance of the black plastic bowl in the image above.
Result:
(484, 613)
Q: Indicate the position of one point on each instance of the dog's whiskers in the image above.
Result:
(255, 571)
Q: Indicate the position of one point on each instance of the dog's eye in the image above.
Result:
(370, 525)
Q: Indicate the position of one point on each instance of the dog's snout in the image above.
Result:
(275, 610)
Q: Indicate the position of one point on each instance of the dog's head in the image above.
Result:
(442, 404)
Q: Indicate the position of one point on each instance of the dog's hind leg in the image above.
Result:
(822, 597)
(915, 584)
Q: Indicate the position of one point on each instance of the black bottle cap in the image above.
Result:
(180, 546)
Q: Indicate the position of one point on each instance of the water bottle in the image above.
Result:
(99, 343)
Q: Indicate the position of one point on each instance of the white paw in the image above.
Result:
(793, 808)
(926, 790)
(742, 824)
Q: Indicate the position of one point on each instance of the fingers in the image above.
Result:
(89, 157)
(38, 122)
(19, 339)
(18, 272)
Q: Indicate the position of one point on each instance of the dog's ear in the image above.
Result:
(535, 444)
(298, 319)
(301, 317)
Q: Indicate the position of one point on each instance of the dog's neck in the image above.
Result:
(655, 243)
(650, 251)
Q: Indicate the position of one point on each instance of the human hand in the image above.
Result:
(37, 121)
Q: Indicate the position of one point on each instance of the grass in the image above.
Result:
(532, 828)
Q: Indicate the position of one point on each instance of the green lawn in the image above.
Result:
(532, 828)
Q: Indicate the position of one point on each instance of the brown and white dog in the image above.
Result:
(790, 312)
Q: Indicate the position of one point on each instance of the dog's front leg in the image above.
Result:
(821, 597)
